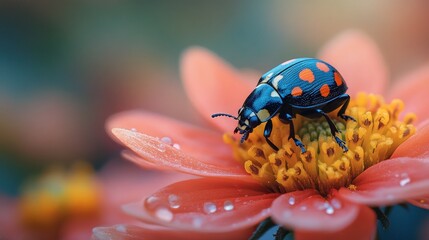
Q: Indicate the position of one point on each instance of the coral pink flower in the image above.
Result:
(229, 200)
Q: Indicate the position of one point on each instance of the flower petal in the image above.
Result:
(364, 227)
(412, 89)
(390, 182)
(308, 211)
(358, 59)
(157, 152)
(416, 145)
(422, 202)
(206, 205)
(198, 142)
(213, 86)
(147, 231)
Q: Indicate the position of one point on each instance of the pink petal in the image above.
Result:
(359, 60)
(206, 205)
(198, 142)
(154, 151)
(416, 145)
(412, 89)
(422, 202)
(364, 227)
(308, 211)
(147, 231)
(390, 182)
(214, 86)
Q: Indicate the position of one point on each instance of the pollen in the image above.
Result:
(379, 129)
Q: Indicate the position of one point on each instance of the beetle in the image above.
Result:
(306, 86)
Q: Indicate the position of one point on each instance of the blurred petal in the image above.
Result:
(157, 152)
(364, 227)
(416, 145)
(422, 202)
(390, 182)
(147, 231)
(214, 86)
(359, 60)
(206, 205)
(412, 89)
(198, 142)
(308, 211)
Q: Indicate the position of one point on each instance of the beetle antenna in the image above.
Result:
(224, 115)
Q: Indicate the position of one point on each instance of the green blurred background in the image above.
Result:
(66, 66)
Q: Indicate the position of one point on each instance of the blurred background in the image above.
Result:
(66, 66)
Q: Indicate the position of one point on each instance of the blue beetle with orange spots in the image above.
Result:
(306, 86)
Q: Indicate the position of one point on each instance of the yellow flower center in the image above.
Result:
(373, 138)
(59, 195)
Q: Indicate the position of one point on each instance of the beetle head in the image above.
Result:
(247, 120)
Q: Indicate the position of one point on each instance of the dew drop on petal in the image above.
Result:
(291, 200)
(173, 200)
(303, 208)
(228, 205)
(151, 200)
(164, 214)
(176, 146)
(404, 181)
(209, 207)
(166, 140)
(330, 210)
(133, 130)
(121, 228)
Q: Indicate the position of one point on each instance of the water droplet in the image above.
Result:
(303, 208)
(404, 181)
(330, 210)
(133, 130)
(173, 200)
(166, 140)
(151, 200)
(176, 146)
(228, 205)
(396, 175)
(209, 207)
(164, 214)
(291, 200)
(336, 203)
(121, 228)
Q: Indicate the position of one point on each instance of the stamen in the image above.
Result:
(373, 138)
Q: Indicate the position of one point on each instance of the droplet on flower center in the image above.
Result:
(373, 138)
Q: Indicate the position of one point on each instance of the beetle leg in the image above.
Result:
(288, 118)
(334, 130)
(267, 133)
(344, 107)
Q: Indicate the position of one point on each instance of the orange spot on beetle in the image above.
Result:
(324, 90)
(338, 79)
(322, 67)
(296, 91)
(306, 75)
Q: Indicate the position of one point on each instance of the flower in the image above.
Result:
(65, 205)
(227, 201)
